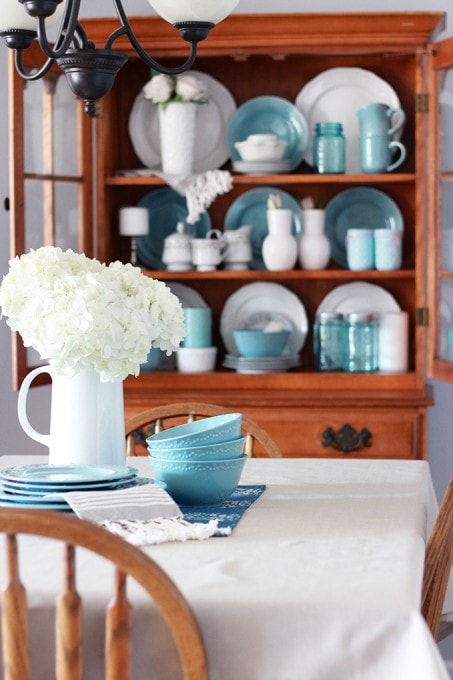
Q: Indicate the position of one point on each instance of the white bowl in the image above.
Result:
(196, 359)
(261, 150)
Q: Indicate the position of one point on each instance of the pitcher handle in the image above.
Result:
(22, 406)
(401, 119)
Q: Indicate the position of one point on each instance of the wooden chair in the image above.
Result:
(438, 558)
(130, 562)
(143, 424)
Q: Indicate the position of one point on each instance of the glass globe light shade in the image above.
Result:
(14, 15)
(176, 11)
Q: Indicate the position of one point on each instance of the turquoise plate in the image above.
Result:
(270, 115)
(166, 208)
(66, 475)
(15, 500)
(251, 208)
(360, 208)
(41, 490)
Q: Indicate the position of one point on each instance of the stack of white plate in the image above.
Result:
(41, 486)
(262, 167)
(251, 365)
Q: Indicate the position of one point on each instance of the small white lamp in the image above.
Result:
(134, 222)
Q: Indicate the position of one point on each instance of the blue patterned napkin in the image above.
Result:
(228, 513)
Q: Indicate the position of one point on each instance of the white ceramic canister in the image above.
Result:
(279, 246)
(314, 246)
(393, 341)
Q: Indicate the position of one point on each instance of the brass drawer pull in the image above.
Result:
(346, 439)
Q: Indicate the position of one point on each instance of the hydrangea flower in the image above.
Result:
(163, 89)
(80, 314)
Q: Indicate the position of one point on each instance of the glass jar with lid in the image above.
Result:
(329, 148)
(329, 341)
(362, 339)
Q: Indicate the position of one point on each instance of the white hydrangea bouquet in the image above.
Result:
(81, 314)
(163, 89)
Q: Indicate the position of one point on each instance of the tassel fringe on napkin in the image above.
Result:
(152, 515)
(164, 530)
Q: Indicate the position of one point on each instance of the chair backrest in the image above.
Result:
(140, 426)
(129, 561)
(438, 557)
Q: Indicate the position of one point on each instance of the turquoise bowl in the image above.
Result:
(211, 430)
(220, 451)
(199, 483)
(254, 342)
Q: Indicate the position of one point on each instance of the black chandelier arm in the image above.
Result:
(68, 28)
(34, 74)
(152, 63)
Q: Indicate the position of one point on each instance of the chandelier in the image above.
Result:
(91, 71)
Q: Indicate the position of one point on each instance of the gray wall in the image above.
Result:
(13, 440)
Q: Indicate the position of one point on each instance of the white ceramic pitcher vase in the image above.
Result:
(279, 248)
(314, 246)
(86, 419)
(177, 123)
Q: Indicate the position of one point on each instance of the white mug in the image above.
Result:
(208, 253)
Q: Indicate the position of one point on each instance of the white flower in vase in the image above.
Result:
(177, 98)
(80, 314)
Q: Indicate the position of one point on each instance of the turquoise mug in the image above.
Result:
(377, 153)
(377, 118)
(198, 322)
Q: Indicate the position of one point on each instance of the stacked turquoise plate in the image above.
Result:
(41, 486)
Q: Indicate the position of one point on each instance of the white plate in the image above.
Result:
(262, 167)
(359, 296)
(335, 96)
(259, 365)
(211, 150)
(254, 304)
(188, 297)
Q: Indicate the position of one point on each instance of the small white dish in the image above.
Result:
(196, 359)
(262, 167)
(267, 149)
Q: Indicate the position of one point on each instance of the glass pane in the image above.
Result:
(34, 214)
(446, 320)
(446, 122)
(33, 127)
(66, 215)
(65, 128)
(62, 127)
(446, 189)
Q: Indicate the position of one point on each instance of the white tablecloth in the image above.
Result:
(320, 580)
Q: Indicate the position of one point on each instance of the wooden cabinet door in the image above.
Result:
(51, 179)
(439, 277)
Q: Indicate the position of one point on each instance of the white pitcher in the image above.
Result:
(86, 419)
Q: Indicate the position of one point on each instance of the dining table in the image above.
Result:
(319, 580)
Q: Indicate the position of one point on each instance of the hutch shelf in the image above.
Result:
(307, 412)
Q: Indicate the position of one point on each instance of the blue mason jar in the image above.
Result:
(362, 342)
(329, 148)
(329, 341)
